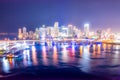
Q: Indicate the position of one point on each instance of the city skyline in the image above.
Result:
(59, 39)
(99, 14)
(61, 31)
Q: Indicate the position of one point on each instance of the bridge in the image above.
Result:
(31, 42)
(16, 45)
(56, 40)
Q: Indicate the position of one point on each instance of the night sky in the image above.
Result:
(34, 13)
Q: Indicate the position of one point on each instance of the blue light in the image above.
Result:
(53, 43)
(46, 44)
(98, 42)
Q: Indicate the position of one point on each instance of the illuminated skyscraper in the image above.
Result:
(42, 32)
(20, 33)
(48, 31)
(19, 30)
(24, 32)
(31, 34)
(37, 33)
(99, 32)
(56, 24)
(70, 30)
(63, 31)
(86, 30)
(56, 29)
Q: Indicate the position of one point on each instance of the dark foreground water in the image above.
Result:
(63, 62)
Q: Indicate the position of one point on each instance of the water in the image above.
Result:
(102, 60)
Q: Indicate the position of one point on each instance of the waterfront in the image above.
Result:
(98, 60)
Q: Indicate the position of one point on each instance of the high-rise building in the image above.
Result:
(42, 32)
(86, 30)
(20, 33)
(56, 24)
(48, 31)
(99, 32)
(37, 33)
(64, 31)
(24, 32)
(56, 29)
(70, 30)
(19, 30)
(53, 32)
(31, 34)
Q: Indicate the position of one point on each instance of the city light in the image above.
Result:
(57, 32)
(86, 25)
(59, 39)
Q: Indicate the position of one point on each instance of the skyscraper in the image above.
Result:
(37, 33)
(56, 24)
(86, 30)
(24, 32)
(70, 30)
(56, 29)
(20, 33)
(42, 32)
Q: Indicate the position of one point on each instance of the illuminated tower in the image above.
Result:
(56, 24)
(19, 30)
(31, 35)
(24, 32)
(48, 31)
(37, 33)
(108, 33)
(70, 30)
(99, 32)
(86, 30)
(20, 33)
(56, 29)
(42, 32)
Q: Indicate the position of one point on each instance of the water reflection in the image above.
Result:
(73, 53)
(34, 56)
(87, 58)
(26, 58)
(85, 62)
(99, 49)
(73, 50)
(81, 50)
(55, 55)
(94, 50)
(11, 62)
(6, 66)
(117, 47)
(104, 47)
(64, 54)
(44, 55)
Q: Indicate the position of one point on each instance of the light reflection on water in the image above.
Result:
(64, 54)
(85, 62)
(55, 56)
(44, 55)
(26, 58)
(88, 58)
(6, 66)
(34, 56)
